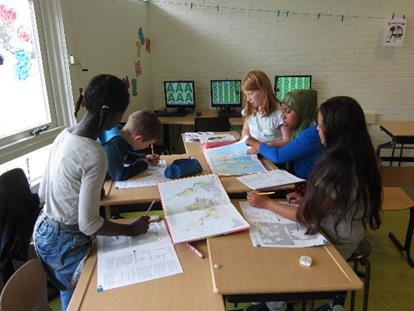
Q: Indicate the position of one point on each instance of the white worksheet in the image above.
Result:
(127, 260)
(269, 179)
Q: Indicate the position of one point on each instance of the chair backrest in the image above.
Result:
(214, 124)
(26, 290)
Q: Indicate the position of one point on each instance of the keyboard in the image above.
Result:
(229, 114)
(163, 113)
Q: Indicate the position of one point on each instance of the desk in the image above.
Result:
(135, 195)
(188, 119)
(191, 290)
(395, 199)
(248, 273)
(401, 133)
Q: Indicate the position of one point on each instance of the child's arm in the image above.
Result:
(245, 130)
(286, 134)
(136, 227)
(263, 201)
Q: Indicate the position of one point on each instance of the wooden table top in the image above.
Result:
(188, 119)
(191, 290)
(398, 128)
(396, 199)
(244, 269)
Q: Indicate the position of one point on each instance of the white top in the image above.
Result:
(265, 129)
(72, 182)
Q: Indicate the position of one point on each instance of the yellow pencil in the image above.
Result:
(149, 208)
(265, 193)
(152, 148)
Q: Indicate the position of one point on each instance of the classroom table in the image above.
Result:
(243, 273)
(191, 290)
(135, 195)
(401, 134)
(188, 119)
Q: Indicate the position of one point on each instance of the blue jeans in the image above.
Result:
(63, 251)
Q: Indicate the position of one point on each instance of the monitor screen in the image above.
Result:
(284, 84)
(225, 93)
(179, 94)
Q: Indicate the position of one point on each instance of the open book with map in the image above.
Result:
(197, 208)
(233, 160)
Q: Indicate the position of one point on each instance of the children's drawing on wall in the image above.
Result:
(394, 32)
(16, 46)
(139, 43)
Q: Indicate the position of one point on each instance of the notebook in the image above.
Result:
(196, 208)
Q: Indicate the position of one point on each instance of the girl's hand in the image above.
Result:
(259, 201)
(152, 159)
(294, 198)
(252, 150)
(140, 225)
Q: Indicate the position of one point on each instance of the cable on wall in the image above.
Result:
(278, 12)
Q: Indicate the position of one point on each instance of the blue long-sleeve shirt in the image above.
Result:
(121, 157)
(304, 151)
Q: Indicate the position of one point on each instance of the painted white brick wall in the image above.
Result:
(344, 57)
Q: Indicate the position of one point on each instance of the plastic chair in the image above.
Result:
(214, 124)
(26, 289)
(360, 258)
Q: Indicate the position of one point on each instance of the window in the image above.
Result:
(34, 76)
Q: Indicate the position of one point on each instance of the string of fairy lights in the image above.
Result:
(277, 12)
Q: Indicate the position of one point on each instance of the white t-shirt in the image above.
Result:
(265, 129)
(71, 184)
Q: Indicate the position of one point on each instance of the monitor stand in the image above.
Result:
(228, 112)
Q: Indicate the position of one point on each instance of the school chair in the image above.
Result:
(19, 209)
(360, 259)
(213, 124)
(395, 199)
(26, 289)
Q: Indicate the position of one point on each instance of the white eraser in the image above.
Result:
(305, 261)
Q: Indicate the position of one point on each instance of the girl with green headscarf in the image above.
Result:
(305, 148)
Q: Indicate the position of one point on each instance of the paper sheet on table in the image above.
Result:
(268, 229)
(150, 177)
(127, 260)
(203, 137)
(269, 179)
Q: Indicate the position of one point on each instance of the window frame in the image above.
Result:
(52, 44)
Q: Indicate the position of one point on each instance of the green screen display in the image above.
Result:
(179, 93)
(225, 92)
(285, 84)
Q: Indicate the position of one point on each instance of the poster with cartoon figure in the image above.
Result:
(394, 31)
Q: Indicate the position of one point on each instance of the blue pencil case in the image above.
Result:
(183, 168)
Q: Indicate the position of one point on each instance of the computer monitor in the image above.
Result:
(225, 94)
(179, 94)
(284, 84)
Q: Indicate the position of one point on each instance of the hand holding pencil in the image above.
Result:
(141, 225)
(259, 199)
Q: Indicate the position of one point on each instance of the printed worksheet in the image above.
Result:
(233, 160)
(150, 177)
(203, 137)
(269, 179)
(127, 260)
(268, 229)
(197, 208)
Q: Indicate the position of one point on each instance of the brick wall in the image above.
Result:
(344, 57)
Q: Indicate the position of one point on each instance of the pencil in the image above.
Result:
(149, 208)
(152, 148)
(265, 193)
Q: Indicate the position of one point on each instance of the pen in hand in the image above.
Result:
(149, 208)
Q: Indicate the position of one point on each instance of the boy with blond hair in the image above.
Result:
(124, 145)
